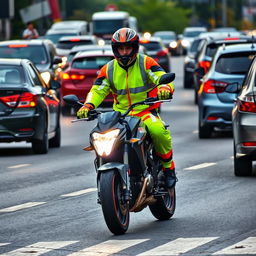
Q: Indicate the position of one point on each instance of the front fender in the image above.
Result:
(121, 168)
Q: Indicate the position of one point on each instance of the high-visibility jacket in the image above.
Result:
(135, 84)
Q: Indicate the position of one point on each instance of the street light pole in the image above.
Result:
(224, 13)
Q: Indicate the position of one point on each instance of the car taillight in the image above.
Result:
(249, 144)
(26, 100)
(162, 53)
(205, 65)
(246, 104)
(67, 76)
(213, 86)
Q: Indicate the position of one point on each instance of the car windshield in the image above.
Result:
(152, 46)
(11, 75)
(35, 53)
(91, 62)
(55, 37)
(166, 36)
(70, 44)
(192, 33)
(107, 26)
(234, 63)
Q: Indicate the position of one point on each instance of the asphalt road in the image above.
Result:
(48, 202)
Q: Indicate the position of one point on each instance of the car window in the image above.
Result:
(237, 63)
(91, 62)
(211, 50)
(11, 75)
(192, 33)
(152, 46)
(71, 44)
(166, 37)
(35, 53)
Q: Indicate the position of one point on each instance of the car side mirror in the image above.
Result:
(57, 60)
(233, 87)
(167, 78)
(54, 84)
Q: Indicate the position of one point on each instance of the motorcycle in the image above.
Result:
(129, 173)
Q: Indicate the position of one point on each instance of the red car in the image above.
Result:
(79, 77)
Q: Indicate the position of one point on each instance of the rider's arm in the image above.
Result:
(100, 88)
(155, 71)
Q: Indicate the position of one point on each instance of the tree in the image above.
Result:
(156, 15)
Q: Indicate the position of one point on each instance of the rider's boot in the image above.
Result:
(170, 178)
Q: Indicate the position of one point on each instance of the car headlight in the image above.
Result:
(46, 77)
(185, 43)
(103, 142)
(173, 44)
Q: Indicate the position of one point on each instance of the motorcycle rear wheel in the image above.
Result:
(164, 207)
(115, 210)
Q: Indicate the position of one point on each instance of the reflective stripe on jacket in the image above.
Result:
(127, 86)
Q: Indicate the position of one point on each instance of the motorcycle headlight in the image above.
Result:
(103, 142)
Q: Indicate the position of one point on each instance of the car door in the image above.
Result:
(50, 99)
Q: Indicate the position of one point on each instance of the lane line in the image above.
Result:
(18, 166)
(200, 166)
(80, 192)
(108, 247)
(38, 248)
(21, 206)
(178, 246)
(247, 246)
(3, 244)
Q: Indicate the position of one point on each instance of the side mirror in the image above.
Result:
(167, 78)
(71, 99)
(57, 60)
(233, 87)
(54, 84)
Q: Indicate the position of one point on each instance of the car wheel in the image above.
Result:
(187, 83)
(41, 146)
(242, 165)
(56, 140)
(204, 131)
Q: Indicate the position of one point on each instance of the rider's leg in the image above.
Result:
(162, 141)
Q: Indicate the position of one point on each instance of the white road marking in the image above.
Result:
(38, 248)
(3, 244)
(247, 246)
(178, 246)
(81, 192)
(21, 206)
(108, 247)
(200, 166)
(195, 132)
(180, 108)
(18, 166)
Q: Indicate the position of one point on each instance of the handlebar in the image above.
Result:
(92, 114)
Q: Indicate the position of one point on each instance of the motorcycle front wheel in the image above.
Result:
(164, 207)
(115, 210)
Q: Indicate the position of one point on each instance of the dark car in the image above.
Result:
(203, 59)
(230, 65)
(41, 52)
(244, 123)
(170, 41)
(29, 109)
(156, 49)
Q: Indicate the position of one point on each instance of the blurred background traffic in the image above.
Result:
(215, 39)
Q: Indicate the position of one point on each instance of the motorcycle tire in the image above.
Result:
(164, 207)
(115, 210)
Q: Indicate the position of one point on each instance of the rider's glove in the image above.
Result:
(164, 92)
(83, 111)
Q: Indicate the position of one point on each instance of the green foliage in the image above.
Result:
(156, 15)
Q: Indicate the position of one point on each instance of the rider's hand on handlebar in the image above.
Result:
(164, 92)
(83, 111)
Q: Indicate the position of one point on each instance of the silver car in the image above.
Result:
(244, 123)
(230, 65)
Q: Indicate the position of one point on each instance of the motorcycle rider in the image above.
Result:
(131, 77)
